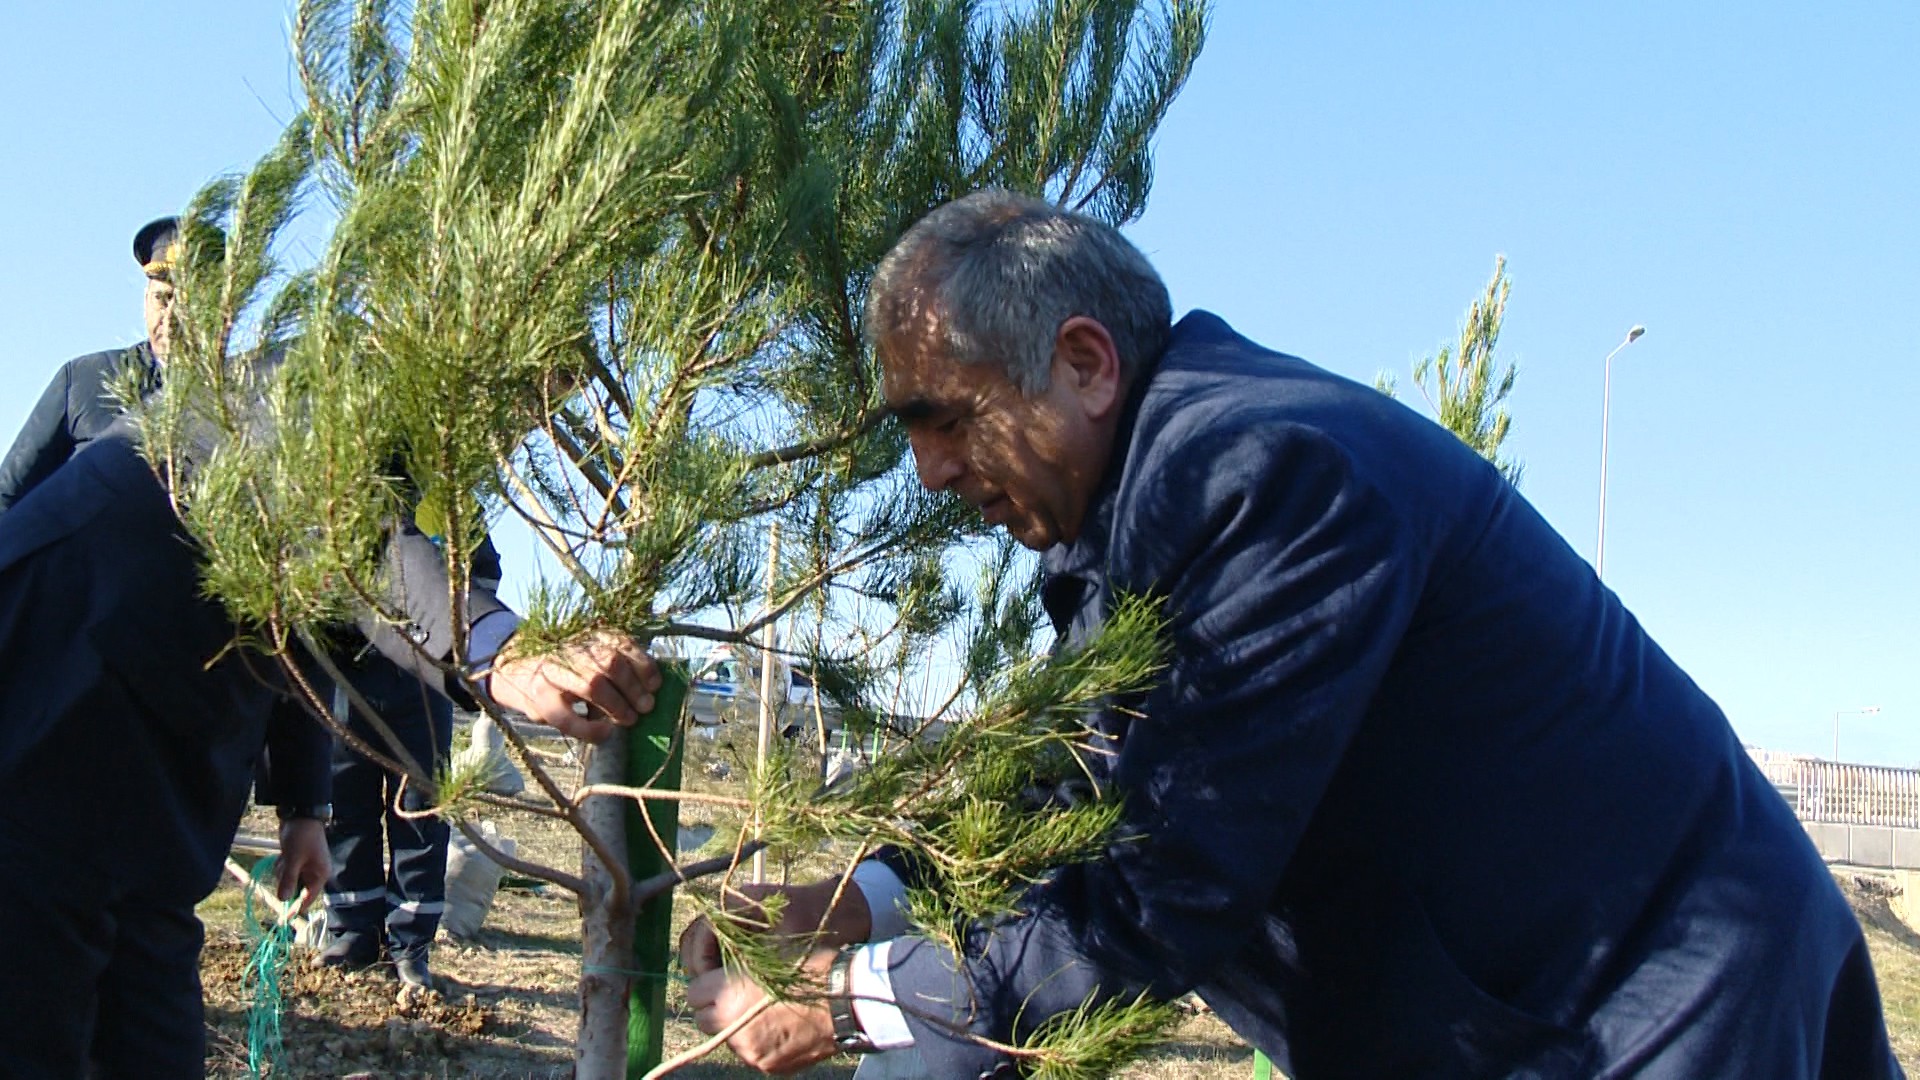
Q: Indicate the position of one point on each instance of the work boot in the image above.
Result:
(413, 970)
(348, 952)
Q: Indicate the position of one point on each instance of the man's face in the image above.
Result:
(1029, 464)
(159, 315)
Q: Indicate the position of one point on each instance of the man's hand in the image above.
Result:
(803, 918)
(581, 690)
(786, 1037)
(304, 862)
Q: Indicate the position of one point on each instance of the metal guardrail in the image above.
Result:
(1832, 793)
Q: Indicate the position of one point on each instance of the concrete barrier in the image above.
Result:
(1882, 847)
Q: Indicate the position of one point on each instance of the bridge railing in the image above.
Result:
(1830, 792)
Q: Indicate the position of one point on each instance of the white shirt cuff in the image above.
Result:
(886, 897)
(881, 1021)
(485, 639)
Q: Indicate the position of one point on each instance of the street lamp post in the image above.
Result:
(1606, 403)
(1871, 710)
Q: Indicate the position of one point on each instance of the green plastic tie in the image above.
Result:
(262, 982)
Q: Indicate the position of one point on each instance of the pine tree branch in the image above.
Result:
(521, 806)
(715, 1042)
(644, 794)
(410, 766)
(310, 698)
(545, 527)
(786, 455)
(569, 882)
(648, 888)
(701, 632)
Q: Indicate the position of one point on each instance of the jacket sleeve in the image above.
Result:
(44, 443)
(1289, 580)
(295, 765)
(486, 567)
(416, 584)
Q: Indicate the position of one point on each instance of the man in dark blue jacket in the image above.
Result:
(1415, 797)
(125, 761)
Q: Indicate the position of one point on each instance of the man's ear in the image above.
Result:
(1087, 365)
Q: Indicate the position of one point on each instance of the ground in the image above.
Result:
(509, 1008)
(1896, 959)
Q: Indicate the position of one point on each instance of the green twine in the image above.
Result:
(608, 969)
(270, 949)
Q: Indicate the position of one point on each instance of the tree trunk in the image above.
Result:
(606, 952)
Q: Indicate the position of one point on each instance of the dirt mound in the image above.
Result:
(1881, 903)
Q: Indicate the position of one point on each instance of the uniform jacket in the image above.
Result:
(75, 408)
(1416, 795)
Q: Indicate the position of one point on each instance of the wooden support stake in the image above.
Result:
(768, 709)
(246, 881)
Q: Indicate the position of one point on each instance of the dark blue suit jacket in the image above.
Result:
(128, 729)
(1416, 797)
(129, 718)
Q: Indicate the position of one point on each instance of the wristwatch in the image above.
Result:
(846, 1026)
(321, 812)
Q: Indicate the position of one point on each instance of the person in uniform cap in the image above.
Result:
(388, 887)
(131, 727)
(78, 404)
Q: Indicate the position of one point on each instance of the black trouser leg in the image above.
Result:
(357, 892)
(55, 949)
(152, 1019)
(417, 846)
(92, 980)
(389, 879)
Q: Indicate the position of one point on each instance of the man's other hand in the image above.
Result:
(581, 690)
(304, 862)
(804, 918)
(786, 1037)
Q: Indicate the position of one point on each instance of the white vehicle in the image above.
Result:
(726, 690)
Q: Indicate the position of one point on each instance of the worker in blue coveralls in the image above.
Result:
(131, 725)
(389, 883)
(1415, 795)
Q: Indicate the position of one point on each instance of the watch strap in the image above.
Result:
(847, 1034)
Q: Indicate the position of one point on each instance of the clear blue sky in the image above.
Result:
(1740, 178)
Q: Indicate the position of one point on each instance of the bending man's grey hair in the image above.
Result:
(994, 274)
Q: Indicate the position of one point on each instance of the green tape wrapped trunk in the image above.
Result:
(653, 761)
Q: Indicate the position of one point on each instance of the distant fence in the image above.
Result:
(1830, 793)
